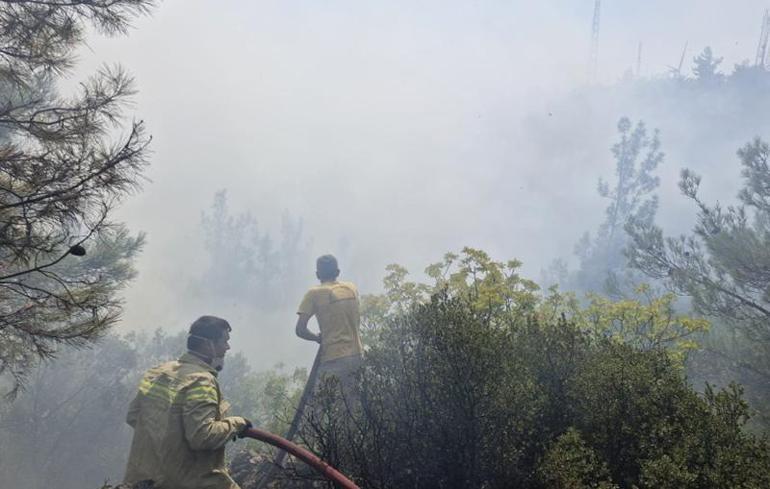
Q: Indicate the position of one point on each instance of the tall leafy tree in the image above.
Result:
(631, 197)
(65, 163)
(706, 65)
(248, 265)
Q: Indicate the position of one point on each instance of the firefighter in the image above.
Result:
(336, 308)
(178, 416)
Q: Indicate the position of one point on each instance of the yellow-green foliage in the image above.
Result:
(648, 324)
(489, 285)
(496, 290)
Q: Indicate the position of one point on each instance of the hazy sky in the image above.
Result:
(399, 128)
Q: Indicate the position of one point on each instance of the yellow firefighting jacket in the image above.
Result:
(180, 430)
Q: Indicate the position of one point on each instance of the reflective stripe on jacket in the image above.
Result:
(180, 430)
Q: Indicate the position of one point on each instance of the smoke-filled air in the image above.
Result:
(440, 244)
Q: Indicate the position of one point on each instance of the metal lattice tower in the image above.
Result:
(593, 66)
(761, 59)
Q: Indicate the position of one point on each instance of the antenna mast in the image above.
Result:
(593, 66)
(763, 37)
(681, 60)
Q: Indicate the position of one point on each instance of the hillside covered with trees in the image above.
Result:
(640, 359)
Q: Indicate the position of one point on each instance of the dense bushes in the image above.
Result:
(454, 397)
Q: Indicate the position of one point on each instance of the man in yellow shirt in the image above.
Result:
(336, 308)
(178, 417)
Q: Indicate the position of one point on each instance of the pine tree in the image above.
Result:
(723, 266)
(637, 156)
(65, 163)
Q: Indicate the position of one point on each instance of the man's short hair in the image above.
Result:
(210, 327)
(326, 267)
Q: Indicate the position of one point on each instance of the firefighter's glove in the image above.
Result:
(242, 432)
(239, 425)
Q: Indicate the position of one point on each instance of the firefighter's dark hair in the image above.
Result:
(210, 327)
(326, 267)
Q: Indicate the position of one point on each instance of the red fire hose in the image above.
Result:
(322, 467)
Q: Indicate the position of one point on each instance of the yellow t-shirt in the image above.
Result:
(335, 306)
